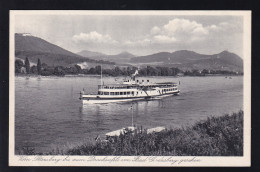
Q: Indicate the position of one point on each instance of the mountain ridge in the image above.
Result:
(87, 53)
(121, 57)
(186, 59)
(34, 47)
(51, 54)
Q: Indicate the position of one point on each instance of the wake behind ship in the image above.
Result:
(129, 90)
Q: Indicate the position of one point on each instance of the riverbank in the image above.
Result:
(216, 136)
(94, 75)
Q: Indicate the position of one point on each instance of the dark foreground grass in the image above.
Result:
(216, 136)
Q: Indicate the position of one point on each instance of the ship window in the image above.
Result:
(124, 93)
(117, 93)
(132, 92)
(128, 92)
(112, 93)
(121, 93)
(100, 93)
(106, 93)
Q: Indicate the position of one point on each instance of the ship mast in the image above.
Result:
(101, 75)
(132, 115)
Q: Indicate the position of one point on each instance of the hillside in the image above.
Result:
(122, 57)
(34, 48)
(177, 57)
(86, 53)
(35, 44)
(187, 60)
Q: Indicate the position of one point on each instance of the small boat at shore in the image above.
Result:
(129, 130)
(129, 90)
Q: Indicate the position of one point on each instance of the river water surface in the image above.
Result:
(49, 114)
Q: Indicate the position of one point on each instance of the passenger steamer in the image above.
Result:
(129, 90)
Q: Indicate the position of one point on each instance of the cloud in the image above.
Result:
(164, 39)
(93, 37)
(140, 42)
(184, 30)
(178, 32)
(155, 30)
(175, 31)
(184, 26)
(228, 28)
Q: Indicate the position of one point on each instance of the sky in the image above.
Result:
(137, 34)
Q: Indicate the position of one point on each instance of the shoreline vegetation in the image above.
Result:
(24, 68)
(216, 136)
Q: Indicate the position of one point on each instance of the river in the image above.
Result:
(49, 114)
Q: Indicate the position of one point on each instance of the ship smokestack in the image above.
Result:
(133, 75)
(136, 72)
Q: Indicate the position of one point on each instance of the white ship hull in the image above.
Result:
(97, 99)
(100, 101)
(130, 90)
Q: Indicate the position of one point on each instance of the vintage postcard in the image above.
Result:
(130, 88)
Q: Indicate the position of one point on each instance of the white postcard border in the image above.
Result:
(245, 160)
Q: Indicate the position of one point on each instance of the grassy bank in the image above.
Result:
(216, 136)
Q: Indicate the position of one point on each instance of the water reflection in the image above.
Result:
(110, 114)
(52, 106)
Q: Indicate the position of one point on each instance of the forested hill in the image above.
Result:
(122, 57)
(34, 48)
(191, 60)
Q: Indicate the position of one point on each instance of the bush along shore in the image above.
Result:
(43, 69)
(216, 136)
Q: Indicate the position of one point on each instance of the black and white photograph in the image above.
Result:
(130, 88)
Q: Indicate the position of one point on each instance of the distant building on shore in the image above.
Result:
(180, 74)
(23, 70)
(25, 34)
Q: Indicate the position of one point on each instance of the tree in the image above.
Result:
(117, 71)
(27, 65)
(18, 65)
(92, 71)
(34, 69)
(39, 67)
(98, 69)
(44, 65)
(58, 71)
